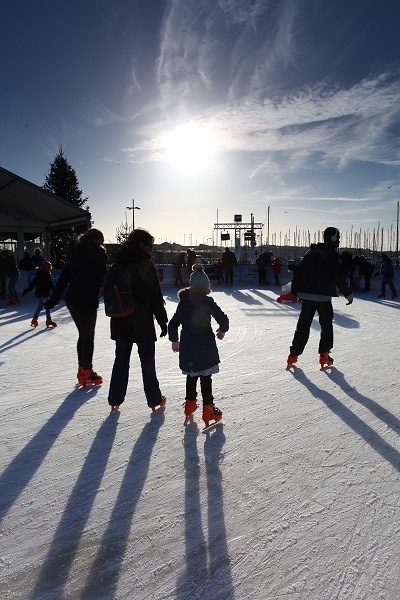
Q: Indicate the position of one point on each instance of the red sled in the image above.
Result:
(287, 298)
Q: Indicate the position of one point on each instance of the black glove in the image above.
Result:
(164, 330)
(24, 292)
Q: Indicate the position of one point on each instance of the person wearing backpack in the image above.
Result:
(138, 327)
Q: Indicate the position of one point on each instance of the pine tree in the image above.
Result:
(62, 181)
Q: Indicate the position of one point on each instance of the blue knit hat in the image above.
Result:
(199, 280)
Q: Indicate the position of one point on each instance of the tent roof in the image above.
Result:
(24, 204)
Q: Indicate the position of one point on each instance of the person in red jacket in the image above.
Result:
(276, 269)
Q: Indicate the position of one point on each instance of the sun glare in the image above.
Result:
(190, 147)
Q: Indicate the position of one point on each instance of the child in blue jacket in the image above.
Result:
(198, 353)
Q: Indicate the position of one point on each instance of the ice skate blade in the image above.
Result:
(211, 426)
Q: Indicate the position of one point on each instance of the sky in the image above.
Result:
(197, 111)
(294, 495)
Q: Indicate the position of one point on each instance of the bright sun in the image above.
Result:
(190, 147)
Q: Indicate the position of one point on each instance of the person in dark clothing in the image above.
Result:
(83, 278)
(198, 353)
(365, 269)
(37, 258)
(11, 271)
(261, 261)
(219, 270)
(25, 264)
(138, 328)
(178, 263)
(43, 285)
(228, 262)
(315, 282)
(387, 273)
(349, 265)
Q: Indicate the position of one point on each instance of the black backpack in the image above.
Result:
(118, 295)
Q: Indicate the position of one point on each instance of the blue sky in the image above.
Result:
(194, 107)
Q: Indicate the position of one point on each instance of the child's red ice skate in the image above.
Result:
(34, 322)
(87, 376)
(50, 323)
(190, 407)
(211, 413)
(325, 360)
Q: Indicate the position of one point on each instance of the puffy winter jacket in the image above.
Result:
(198, 349)
(320, 273)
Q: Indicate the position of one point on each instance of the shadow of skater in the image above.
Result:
(220, 577)
(195, 545)
(102, 580)
(379, 411)
(366, 432)
(207, 579)
(61, 553)
(24, 466)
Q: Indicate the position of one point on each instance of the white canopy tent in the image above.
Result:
(27, 211)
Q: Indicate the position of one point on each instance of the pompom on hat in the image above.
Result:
(199, 280)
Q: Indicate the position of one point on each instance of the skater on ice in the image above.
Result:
(198, 353)
(82, 280)
(138, 327)
(43, 285)
(314, 283)
(387, 273)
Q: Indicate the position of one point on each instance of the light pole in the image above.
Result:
(133, 208)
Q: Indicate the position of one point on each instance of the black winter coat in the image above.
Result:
(139, 327)
(198, 349)
(320, 273)
(83, 277)
(42, 283)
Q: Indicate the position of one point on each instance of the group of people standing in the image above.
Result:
(316, 280)
(224, 266)
(81, 281)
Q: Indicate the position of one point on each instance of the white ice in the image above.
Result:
(295, 495)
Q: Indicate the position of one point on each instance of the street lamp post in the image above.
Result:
(133, 208)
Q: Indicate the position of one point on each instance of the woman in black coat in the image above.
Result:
(138, 328)
(83, 278)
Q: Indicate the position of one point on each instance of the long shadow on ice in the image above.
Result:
(56, 566)
(207, 573)
(379, 411)
(24, 466)
(351, 419)
(102, 580)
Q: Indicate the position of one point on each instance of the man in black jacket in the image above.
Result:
(138, 328)
(314, 283)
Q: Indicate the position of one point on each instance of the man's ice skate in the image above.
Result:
(114, 408)
(34, 322)
(190, 407)
(86, 376)
(211, 413)
(50, 323)
(394, 297)
(162, 403)
(325, 360)
(382, 295)
(291, 359)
